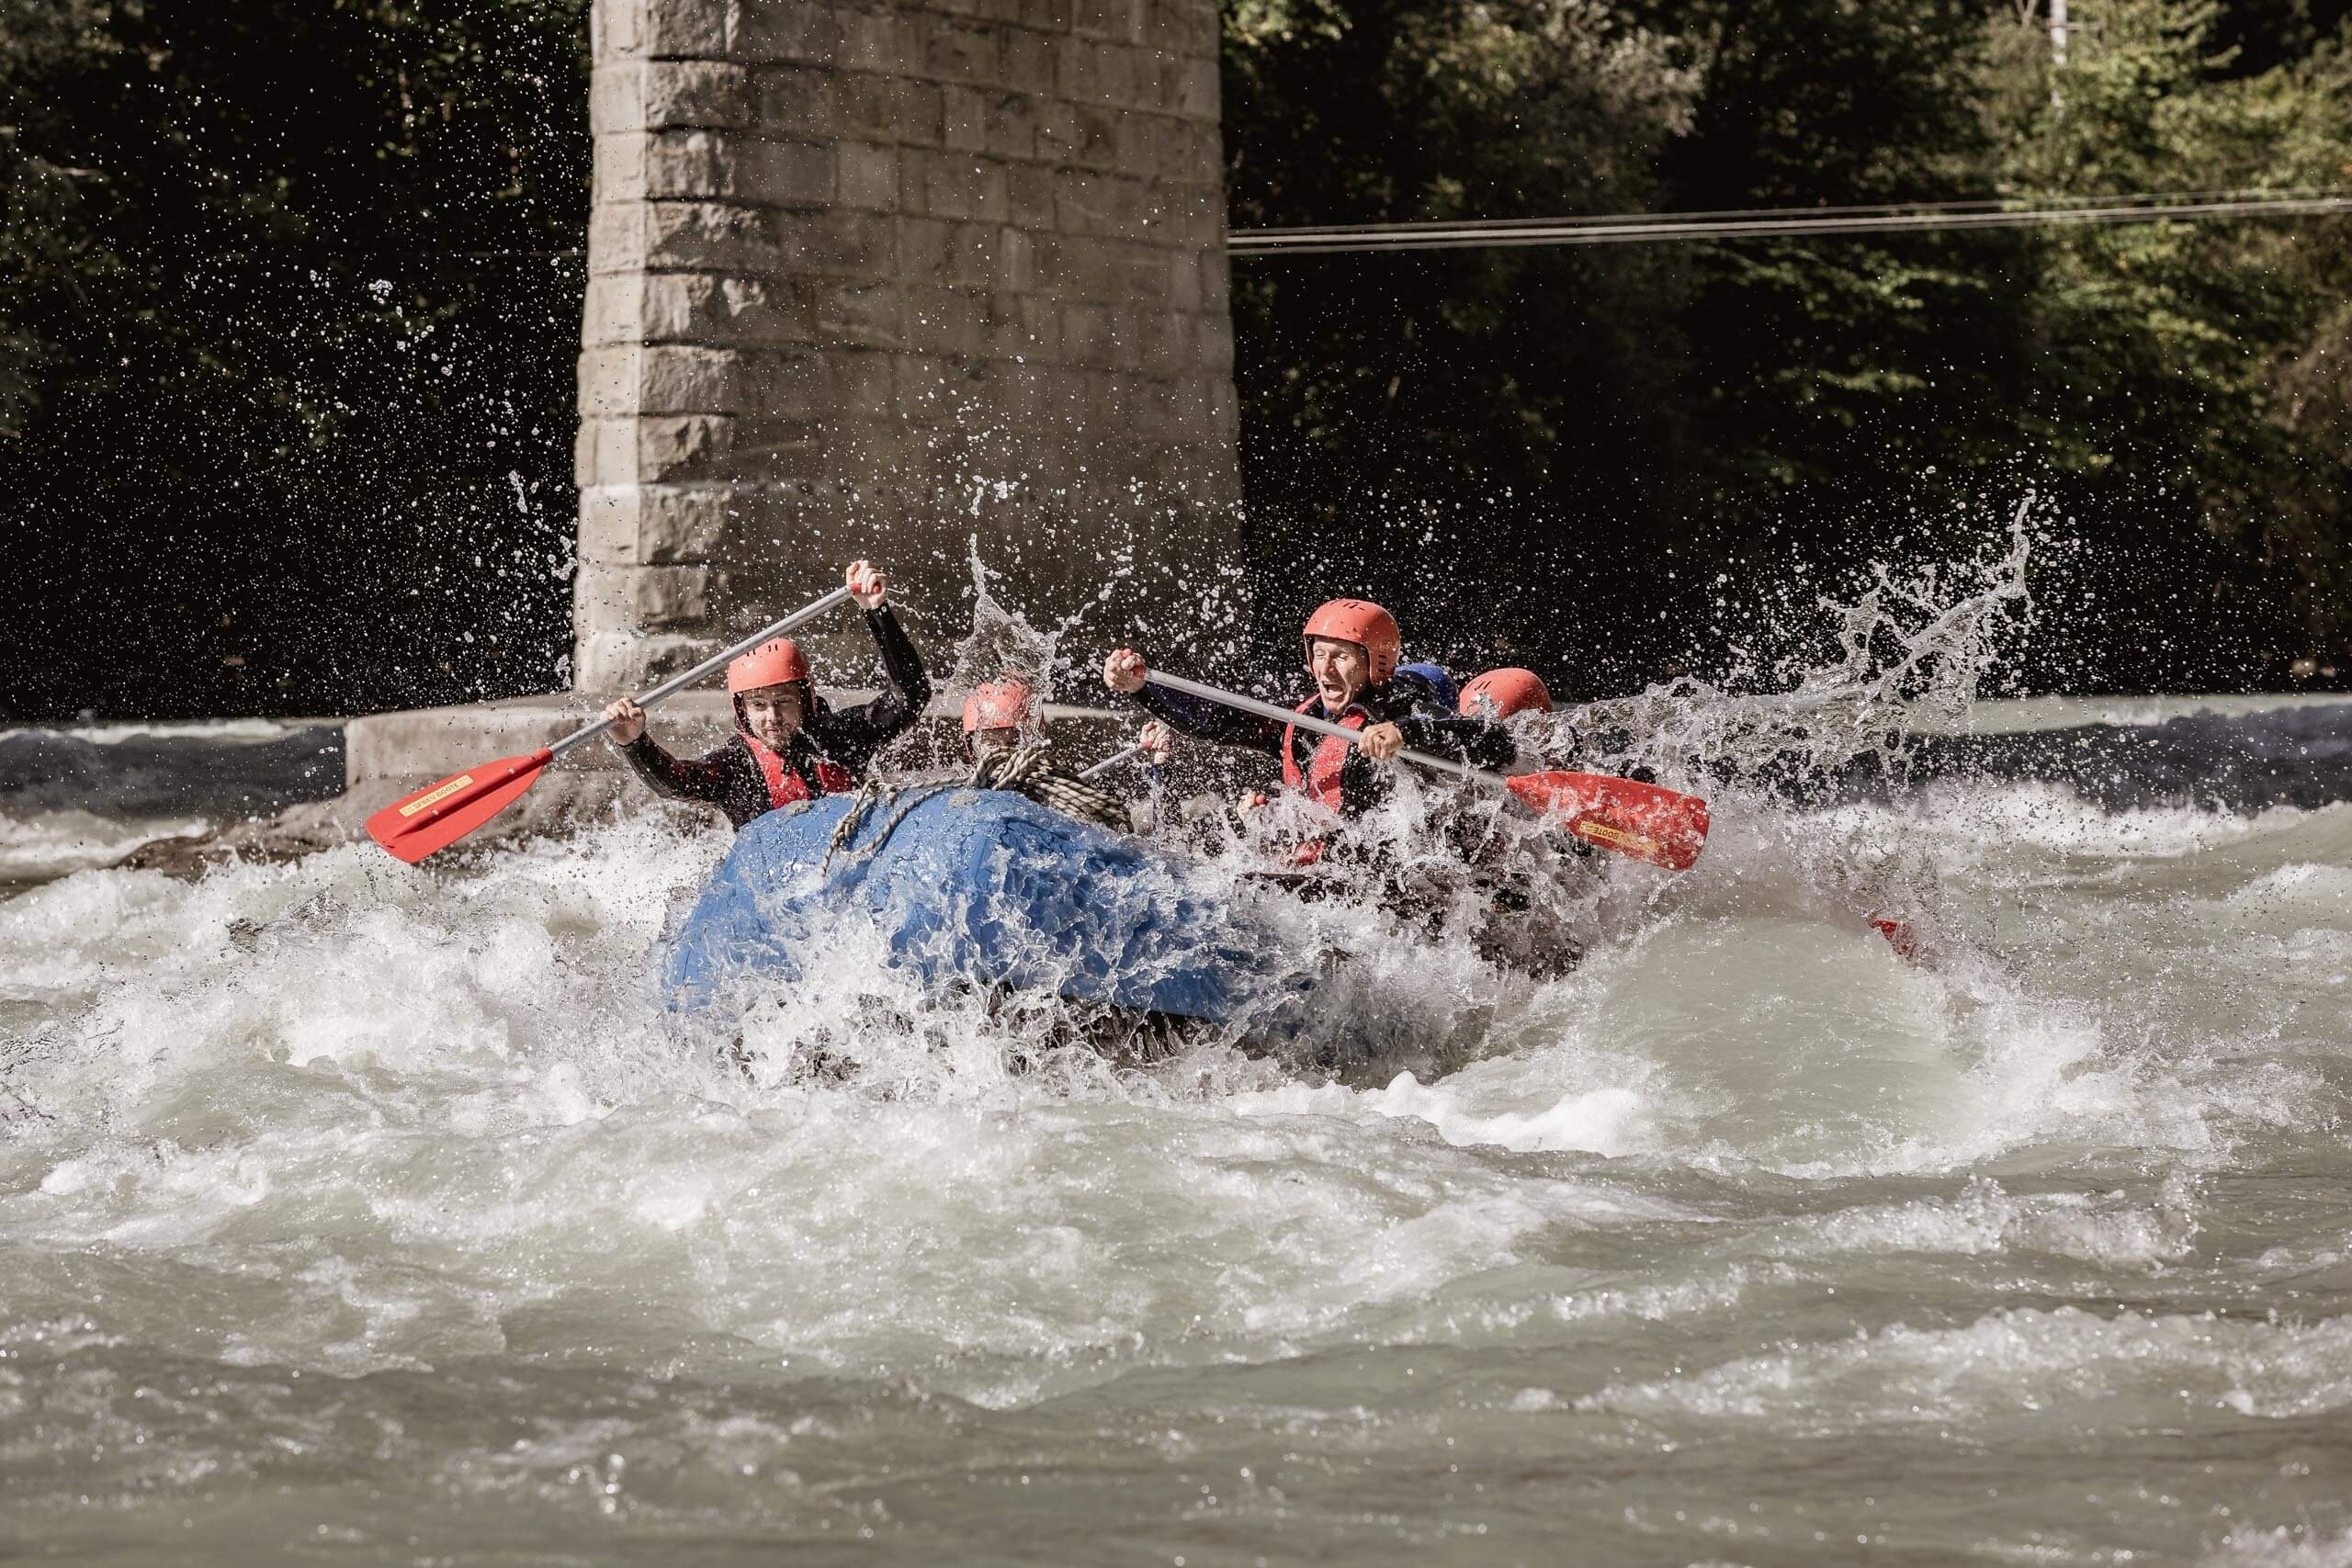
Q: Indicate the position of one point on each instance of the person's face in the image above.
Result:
(774, 715)
(1342, 669)
(987, 742)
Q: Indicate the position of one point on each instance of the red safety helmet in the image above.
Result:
(773, 663)
(1363, 623)
(1006, 703)
(1498, 693)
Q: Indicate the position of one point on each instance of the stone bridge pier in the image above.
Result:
(876, 279)
(873, 280)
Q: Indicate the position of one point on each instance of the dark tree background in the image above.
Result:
(287, 413)
(1615, 463)
(290, 294)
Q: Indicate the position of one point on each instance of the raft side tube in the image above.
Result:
(984, 887)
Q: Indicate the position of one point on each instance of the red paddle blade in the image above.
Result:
(1633, 819)
(439, 815)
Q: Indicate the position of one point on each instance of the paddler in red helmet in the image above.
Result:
(1352, 647)
(1499, 693)
(789, 743)
(1000, 716)
(1004, 737)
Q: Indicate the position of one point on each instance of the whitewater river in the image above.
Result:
(354, 1212)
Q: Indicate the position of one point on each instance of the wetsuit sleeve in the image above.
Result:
(852, 736)
(1413, 706)
(1206, 720)
(700, 778)
(1479, 743)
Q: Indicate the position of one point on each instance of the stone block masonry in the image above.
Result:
(874, 280)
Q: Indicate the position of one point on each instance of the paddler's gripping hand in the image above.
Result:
(1158, 744)
(867, 584)
(627, 721)
(1381, 741)
(1123, 672)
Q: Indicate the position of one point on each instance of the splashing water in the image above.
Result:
(1915, 651)
(1001, 642)
(357, 1211)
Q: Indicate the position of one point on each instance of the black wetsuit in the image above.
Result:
(1408, 701)
(832, 746)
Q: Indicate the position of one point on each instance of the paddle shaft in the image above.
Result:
(1112, 761)
(1307, 721)
(1624, 815)
(680, 682)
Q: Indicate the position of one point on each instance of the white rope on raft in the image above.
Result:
(1024, 770)
(2149, 207)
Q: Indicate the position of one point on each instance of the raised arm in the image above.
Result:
(702, 779)
(681, 778)
(852, 735)
(1123, 672)
(1427, 722)
(1480, 742)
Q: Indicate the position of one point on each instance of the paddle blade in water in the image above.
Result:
(438, 816)
(1633, 819)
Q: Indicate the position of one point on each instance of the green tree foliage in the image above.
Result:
(290, 290)
(50, 262)
(1796, 343)
(2182, 370)
(1385, 402)
(1775, 412)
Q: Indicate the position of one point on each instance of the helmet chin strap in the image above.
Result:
(807, 703)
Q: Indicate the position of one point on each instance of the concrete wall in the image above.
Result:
(871, 281)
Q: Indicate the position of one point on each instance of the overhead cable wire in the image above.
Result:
(1637, 228)
(1975, 204)
(1766, 222)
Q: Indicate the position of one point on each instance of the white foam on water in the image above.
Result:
(225, 729)
(49, 844)
(2051, 816)
(2111, 1229)
(2021, 1365)
(431, 1101)
(430, 1139)
(2298, 897)
(461, 1092)
(2282, 1546)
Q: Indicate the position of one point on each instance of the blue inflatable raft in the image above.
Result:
(986, 886)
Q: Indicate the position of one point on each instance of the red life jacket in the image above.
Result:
(1321, 779)
(784, 785)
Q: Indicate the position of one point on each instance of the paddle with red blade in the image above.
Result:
(1634, 818)
(439, 815)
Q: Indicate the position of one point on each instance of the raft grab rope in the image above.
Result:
(1023, 771)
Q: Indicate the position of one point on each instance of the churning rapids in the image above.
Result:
(352, 1212)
